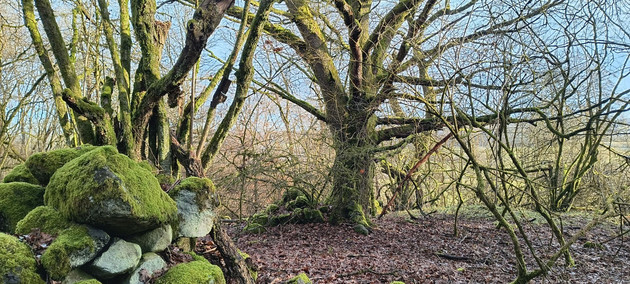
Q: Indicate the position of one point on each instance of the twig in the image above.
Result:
(615, 237)
(453, 257)
(367, 270)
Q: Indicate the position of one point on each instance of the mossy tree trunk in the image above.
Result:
(353, 191)
(352, 194)
(141, 107)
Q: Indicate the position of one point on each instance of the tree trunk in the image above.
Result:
(235, 264)
(353, 173)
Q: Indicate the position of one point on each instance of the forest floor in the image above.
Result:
(426, 251)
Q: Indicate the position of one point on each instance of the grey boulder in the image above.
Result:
(120, 258)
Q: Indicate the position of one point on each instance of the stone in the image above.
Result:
(301, 278)
(20, 173)
(196, 200)
(109, 191)
(73, 247)
(359, 228)
(272, 208)
(44, 218)
(291, 194)
(89, 281)
(150, 263)
(76, 276)
(259, 218)
(16, 200)
(308, 215)
(194, 272)
(121, 257)
(254, 228)
(17, 262)
(300, 202)
(43, 165)
(186, 244)
(155, 240)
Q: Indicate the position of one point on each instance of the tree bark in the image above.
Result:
(236, 267)
(353, 170)
(353, 189)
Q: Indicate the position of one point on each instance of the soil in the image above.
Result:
(426, 251)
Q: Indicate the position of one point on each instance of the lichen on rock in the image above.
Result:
(196, 200)
(16, 200)
(17, 262)
(110, 191)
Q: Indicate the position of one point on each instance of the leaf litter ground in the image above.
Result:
(426, 251)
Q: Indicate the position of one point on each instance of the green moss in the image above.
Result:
(272, 208)
(259, 218)
(20, 173)
(16, 200)
(301, 278)
(243, 254)
(377, 207)
(254, 228)
(300, 201)
(291, 194)
(90, 281)
(17, 263)
(84, 189)
(397, 282)
(186, 244)
(593, 245)
(145, 165)
(56, 259)
(46, 218)
(253, 273)
(202, 187)
(310, 215)
(279, 219)
(196, 257)
(44, 165)
(306, 215)
(296, 215)
(358, 217)
(165, 179)
(198, 271)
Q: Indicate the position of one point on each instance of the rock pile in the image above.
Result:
(294, 207)
(110, 217)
